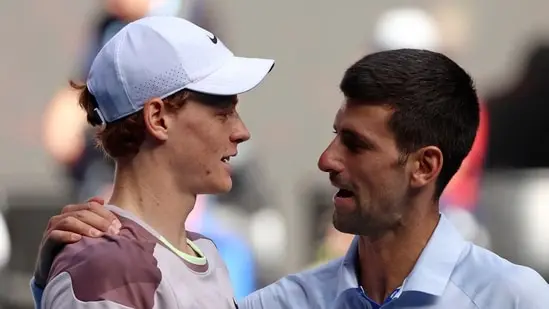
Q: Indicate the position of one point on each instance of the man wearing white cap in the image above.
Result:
(163, 93)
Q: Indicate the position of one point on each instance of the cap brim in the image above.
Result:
(237, 76)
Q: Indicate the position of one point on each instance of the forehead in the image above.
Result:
(357, 116)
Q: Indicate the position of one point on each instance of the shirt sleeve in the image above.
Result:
(520, 288)
(291, 292)
(274, 296)
(313, 288)
(60, 294)
(105, 275)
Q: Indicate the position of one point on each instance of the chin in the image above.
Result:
(227, 187)
(222, 186)
(215, 184)
(344, 223)
(356, 224)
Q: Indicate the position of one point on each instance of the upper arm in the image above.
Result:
(520, 288)
(60, 294)
(105, 275)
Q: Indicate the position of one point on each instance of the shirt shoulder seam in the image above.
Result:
(471, 299)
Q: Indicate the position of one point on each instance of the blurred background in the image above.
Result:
(277, 219)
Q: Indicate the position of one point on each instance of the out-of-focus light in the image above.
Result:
(406, 28)
(64, 123)
(268, 235)
(535, 230)
(165, 7)
(5, 245)
(468, 226)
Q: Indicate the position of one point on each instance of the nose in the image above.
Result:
(240, 132)
(330, 160)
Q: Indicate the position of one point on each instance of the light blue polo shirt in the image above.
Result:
(450, 273)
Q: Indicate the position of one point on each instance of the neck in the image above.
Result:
(386, 261)
(144, 188)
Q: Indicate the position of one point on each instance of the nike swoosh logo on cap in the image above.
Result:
(214, 39)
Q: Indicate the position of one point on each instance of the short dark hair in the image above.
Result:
(434, 102)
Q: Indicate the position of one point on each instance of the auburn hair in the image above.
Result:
(121, 138)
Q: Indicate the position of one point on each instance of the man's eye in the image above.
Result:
(351, 145)
(226, 114)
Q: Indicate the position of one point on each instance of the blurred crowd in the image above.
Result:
(502, 179)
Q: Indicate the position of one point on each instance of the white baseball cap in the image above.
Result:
(155, 57)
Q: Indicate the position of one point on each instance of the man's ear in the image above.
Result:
(427, 166)
(154, 114)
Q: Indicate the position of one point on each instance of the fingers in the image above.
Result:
(92, 206)
(106, 214)
(90, 219)
(78, 207)
(77, 223)
(63, 237)
(93, 214)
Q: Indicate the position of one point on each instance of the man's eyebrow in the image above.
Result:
(350, 131)
(365, 138)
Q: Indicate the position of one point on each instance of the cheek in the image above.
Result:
(203, 135)
(204, 144)
(374, 179)
(365, 172)
(190, 161)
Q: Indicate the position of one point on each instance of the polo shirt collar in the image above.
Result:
(432, 270)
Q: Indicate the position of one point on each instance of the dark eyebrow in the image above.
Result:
(361, 137)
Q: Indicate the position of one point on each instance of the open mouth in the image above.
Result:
(226, 159)
(343, 193)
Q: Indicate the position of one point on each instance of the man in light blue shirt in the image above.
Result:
(408, 121)
(450, 273)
